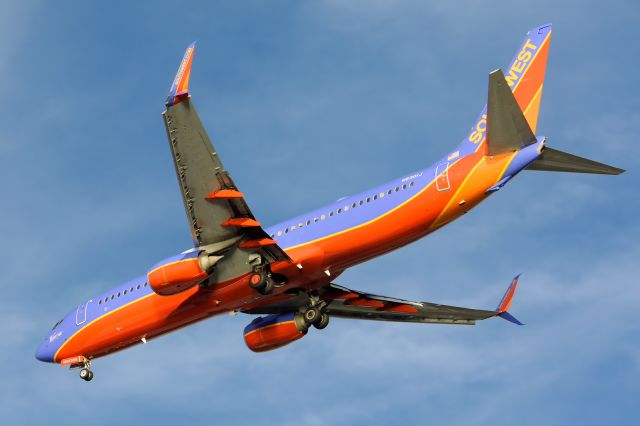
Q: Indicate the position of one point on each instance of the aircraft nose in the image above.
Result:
(45, 352)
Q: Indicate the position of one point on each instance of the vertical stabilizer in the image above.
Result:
(525, 78)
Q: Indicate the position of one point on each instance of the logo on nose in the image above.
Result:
(54, 336)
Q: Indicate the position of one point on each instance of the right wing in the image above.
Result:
(217, 212)
(342, 302)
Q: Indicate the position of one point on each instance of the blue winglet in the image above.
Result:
(507, 316)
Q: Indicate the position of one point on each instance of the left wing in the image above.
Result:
(216, 210)
(342, 302)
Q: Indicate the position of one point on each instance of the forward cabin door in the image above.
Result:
(81, 313)
(442, 177)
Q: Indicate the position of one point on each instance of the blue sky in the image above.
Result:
(308, 102)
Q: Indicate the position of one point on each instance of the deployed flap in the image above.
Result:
(553, 160)
(215, 209)
(507, 128)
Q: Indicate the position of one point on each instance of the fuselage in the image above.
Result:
(326, 241)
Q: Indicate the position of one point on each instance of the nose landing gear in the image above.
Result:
(84, 365)
(86, 374)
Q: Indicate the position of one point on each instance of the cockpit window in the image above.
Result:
(57, 324)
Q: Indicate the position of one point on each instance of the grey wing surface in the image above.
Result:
(342, 302)
(215, 209)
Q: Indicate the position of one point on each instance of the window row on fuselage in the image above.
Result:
(341, 210)
(122, 293)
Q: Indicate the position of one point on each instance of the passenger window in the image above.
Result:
(118, 294)
(353, 206)
(368, 199)
(125, 292)
(361, 202)
(286, 230)
(382, 195)
(375, 197)
(397, 188)
(279, 233)
(112, 296)
(412, 183)
(100, 302)
(404, 186)
(138, 287)
(146, 283)
(389, 192)
(315, 219)
(293, 227)
(346, 208)
(323, 217)
(308, 222)
(300, 225)
(331, 213)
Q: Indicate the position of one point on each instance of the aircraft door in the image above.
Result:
(442, 177)
(81, 313)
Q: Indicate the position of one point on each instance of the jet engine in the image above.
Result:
(274, 331)
(181, 273)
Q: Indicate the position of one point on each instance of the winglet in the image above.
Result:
(180, 87)
(505, 303)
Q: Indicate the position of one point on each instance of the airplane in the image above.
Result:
(285, 273)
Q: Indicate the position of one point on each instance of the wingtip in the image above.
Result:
(180, 86)
(507, 299)
(503, 307)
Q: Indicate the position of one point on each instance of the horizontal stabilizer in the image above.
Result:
(553, 160)
(507, 128)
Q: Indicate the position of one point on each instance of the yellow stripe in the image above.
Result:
(507, 165)
(97, 319)
(171, 263)
(268, 326)
(372, 220)
(446, 207)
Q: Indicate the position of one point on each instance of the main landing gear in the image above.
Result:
(264, 281)
(315, 315)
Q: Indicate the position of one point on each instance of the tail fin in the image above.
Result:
(553, 160)
(525, 78)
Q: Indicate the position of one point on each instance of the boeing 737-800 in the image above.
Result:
(286, 273)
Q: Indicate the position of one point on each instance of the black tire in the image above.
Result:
(85, 373)
(312, 315)
(267, 287)
(90, 376)
(323, 322)
(257, 280)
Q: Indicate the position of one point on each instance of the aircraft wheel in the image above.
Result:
(323, 322)
(86, 374)
(267, 287)
(312, 315)
(257, 280)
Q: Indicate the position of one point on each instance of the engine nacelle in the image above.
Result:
(180, 273)
(274, 331)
